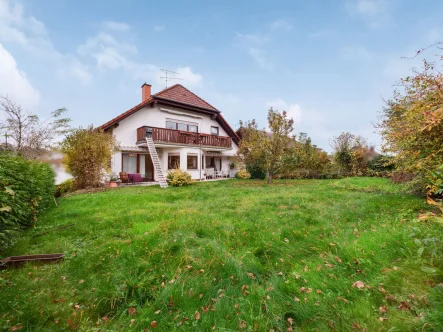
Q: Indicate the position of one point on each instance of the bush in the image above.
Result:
(243, 174)
(179, 178)
(87, 154)
(26, 189)
(256, 171)
(65, 187)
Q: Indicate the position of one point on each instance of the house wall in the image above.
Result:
(126, 135)
(126, 132)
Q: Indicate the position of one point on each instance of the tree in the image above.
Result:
(302, 159)
(350, 154)
(266, 150)
(29, 136)
(87, 155)
(412, 124)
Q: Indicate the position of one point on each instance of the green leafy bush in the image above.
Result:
(256, 171)
(179, 178)
(26, 189)
(65, 187)
(243, 174)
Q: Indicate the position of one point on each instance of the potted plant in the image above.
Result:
(231, 166)
(113, 182)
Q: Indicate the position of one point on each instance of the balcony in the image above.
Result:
(172, 136)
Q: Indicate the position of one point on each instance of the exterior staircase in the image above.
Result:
(154, 156)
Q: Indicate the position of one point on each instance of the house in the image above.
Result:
(173, 128)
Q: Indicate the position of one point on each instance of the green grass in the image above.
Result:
(237, 254)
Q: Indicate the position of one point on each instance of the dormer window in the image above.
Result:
(214, 130)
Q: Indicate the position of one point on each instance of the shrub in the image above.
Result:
(412, 123)
(179, 178)
(65, 187)
(87, 154)
(243, 174)
(26, 189)
(256, 171)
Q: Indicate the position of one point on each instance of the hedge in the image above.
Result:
(26, 189)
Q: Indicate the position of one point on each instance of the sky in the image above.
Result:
(330, 64)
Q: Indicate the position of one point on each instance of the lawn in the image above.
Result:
(305, 255)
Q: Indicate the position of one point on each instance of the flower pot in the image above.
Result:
(112, 184)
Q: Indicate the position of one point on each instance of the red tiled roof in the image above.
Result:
(180, 94)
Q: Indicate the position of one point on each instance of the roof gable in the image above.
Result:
(178, 93)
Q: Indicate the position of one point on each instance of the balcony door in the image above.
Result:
(149, 168)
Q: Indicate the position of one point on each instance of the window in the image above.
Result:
(129, 163)
(182, 126)
(173, 161)
(172, 124)
(214, 130)
(192, 161)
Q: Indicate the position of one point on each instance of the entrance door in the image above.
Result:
(149, 168)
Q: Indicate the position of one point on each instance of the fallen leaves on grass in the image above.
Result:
(358, 284)
(197, 315)
(383, 309)
(131, 311)
(154, 324)
(305, 290)
(342, 299)
(251, 275)
(404, 306)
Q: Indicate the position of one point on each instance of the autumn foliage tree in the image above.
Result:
(350, 154)
(87, 153)
(266, 150)
(28, 135)
(302, 159)
(412, 124)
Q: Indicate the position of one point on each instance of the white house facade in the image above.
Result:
(187, 132)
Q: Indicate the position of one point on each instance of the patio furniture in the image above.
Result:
(135, 177)
(124, 177)
(218, 174)
(224, 173)
(210, 173)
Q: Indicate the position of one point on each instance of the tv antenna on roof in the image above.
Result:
(168, 77)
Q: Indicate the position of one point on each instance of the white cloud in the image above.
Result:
(189, 77)
(14, 83)
(368, 7)
(258, 55)
(158, 28)
(374, 12)
(114, 53)
(251, 39)
(28, 32)
(293, 110)
(74, 68)
(116, 26)
(108, 52)
(254, 44)
(281, 25)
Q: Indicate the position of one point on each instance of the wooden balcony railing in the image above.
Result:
(183, 137)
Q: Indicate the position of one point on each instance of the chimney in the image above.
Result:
(146, 91)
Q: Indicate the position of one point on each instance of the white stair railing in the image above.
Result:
(154, 157)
